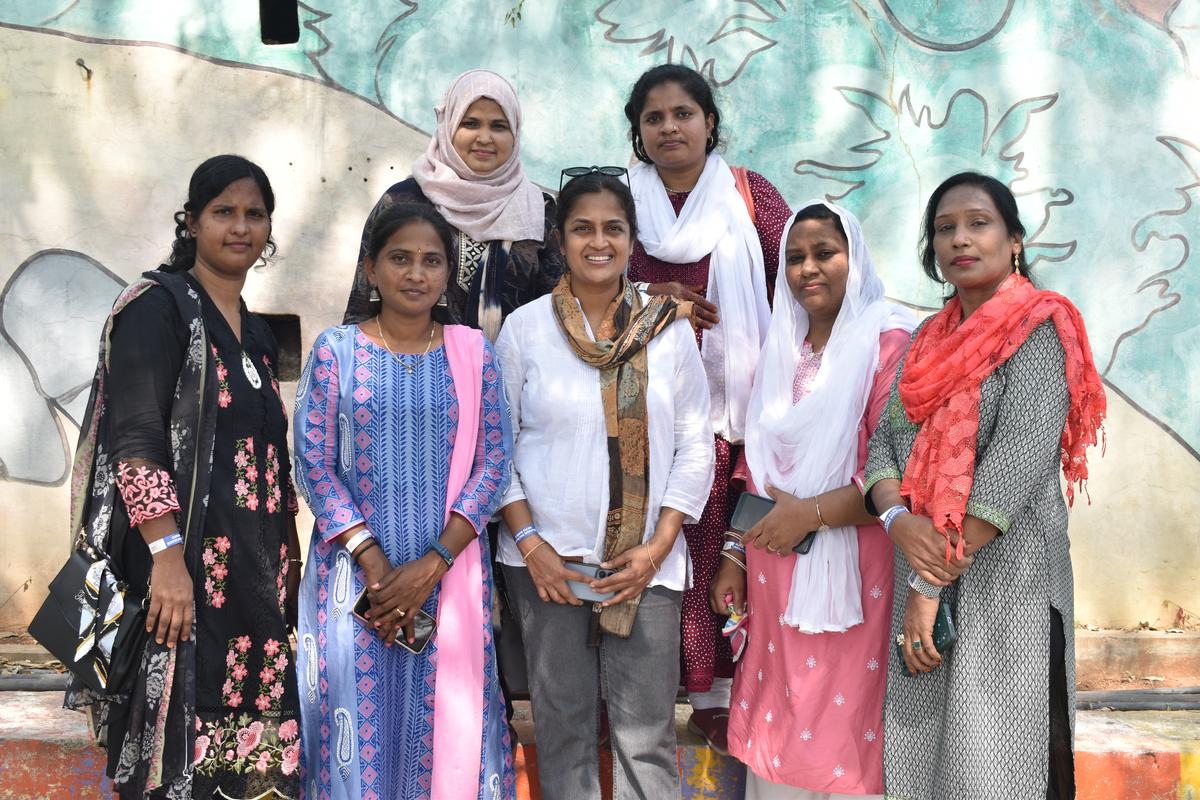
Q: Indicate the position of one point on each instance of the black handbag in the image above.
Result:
(92, 622)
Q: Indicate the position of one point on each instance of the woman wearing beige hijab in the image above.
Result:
(472, 174)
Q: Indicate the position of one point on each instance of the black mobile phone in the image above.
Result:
(944, 635)
(591, 572)
(424, 625)
(751, 508)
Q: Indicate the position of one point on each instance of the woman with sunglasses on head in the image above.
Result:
(997, 392)
(183, 457)
(471, 173)
(808, 695)
(710, 235)
(402, 451)
(611, 457)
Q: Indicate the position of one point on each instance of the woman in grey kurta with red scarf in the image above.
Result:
(997, 391)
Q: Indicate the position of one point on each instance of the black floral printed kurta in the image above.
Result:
(243, 727)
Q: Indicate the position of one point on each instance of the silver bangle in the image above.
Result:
(923, 586)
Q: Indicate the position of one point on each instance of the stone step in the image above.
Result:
(1111, 659)
(1132, 755)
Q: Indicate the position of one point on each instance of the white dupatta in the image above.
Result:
(811, 446)
(714, 220)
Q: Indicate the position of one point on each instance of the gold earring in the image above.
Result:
(1016, 261)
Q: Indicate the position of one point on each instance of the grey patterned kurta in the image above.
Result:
(978, 726)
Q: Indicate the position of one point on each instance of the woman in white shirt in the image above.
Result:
(612, 455)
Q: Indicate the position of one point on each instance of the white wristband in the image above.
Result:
(358, 539)
(172, 539)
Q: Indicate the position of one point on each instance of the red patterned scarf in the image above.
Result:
(943, 372)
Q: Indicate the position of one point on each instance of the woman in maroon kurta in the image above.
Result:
(675, 127)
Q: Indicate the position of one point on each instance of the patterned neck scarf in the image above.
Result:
(619, 352)
(943, 372)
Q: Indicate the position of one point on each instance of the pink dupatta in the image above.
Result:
(458, 691)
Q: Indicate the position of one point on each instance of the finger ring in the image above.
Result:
(916, 644)
(400, 611)
(900, 639)
(771, 549)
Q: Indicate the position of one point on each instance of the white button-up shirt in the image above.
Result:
(560, 447)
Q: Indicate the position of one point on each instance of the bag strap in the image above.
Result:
(741, 179)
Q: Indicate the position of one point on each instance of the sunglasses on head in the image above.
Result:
(571, 173)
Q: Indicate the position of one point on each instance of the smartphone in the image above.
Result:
(591, 572)
(424, 625)
(751, 508)
(944, 636)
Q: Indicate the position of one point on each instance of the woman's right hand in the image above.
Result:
(925, 549)
(172, 604)
(375, 564)
(730, 579)
(706, 312)
(548, 574)
(377, 567)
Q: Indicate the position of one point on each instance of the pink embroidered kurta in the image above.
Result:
(807, 709)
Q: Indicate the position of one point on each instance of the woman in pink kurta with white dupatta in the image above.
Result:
(807, 696)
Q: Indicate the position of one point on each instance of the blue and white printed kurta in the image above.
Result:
(373, 445)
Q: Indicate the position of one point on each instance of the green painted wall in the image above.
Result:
(1089, 109)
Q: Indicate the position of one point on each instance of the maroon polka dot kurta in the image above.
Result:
(704, 652)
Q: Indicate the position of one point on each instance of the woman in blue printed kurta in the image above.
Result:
(375, 432)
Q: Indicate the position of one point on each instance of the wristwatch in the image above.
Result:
(443, 553)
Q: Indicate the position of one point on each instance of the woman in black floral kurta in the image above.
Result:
(217, 692)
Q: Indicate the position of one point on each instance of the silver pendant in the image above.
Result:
(251, 373)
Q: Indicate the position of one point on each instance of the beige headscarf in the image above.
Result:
(503, 205)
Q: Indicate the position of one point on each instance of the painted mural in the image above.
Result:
(1087, 108)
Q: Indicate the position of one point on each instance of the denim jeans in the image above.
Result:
(639, 677)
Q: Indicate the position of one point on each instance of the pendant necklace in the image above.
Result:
(408, 367)
(251, 373)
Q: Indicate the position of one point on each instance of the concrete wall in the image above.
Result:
(1087, 108)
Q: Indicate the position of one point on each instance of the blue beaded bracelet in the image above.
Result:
(524, 533)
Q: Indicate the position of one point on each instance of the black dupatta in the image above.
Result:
(150, 730)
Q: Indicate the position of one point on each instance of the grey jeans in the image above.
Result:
(639, 677)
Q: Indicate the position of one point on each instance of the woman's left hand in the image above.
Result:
(396, 598)
(920, 612)
(785, 525)
(634, 571)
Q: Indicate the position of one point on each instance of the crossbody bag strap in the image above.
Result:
(741, 178)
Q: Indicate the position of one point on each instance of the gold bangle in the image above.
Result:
(820, 519)
(525, 558)
(650, 556)
(734, 535)
(734, 559)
